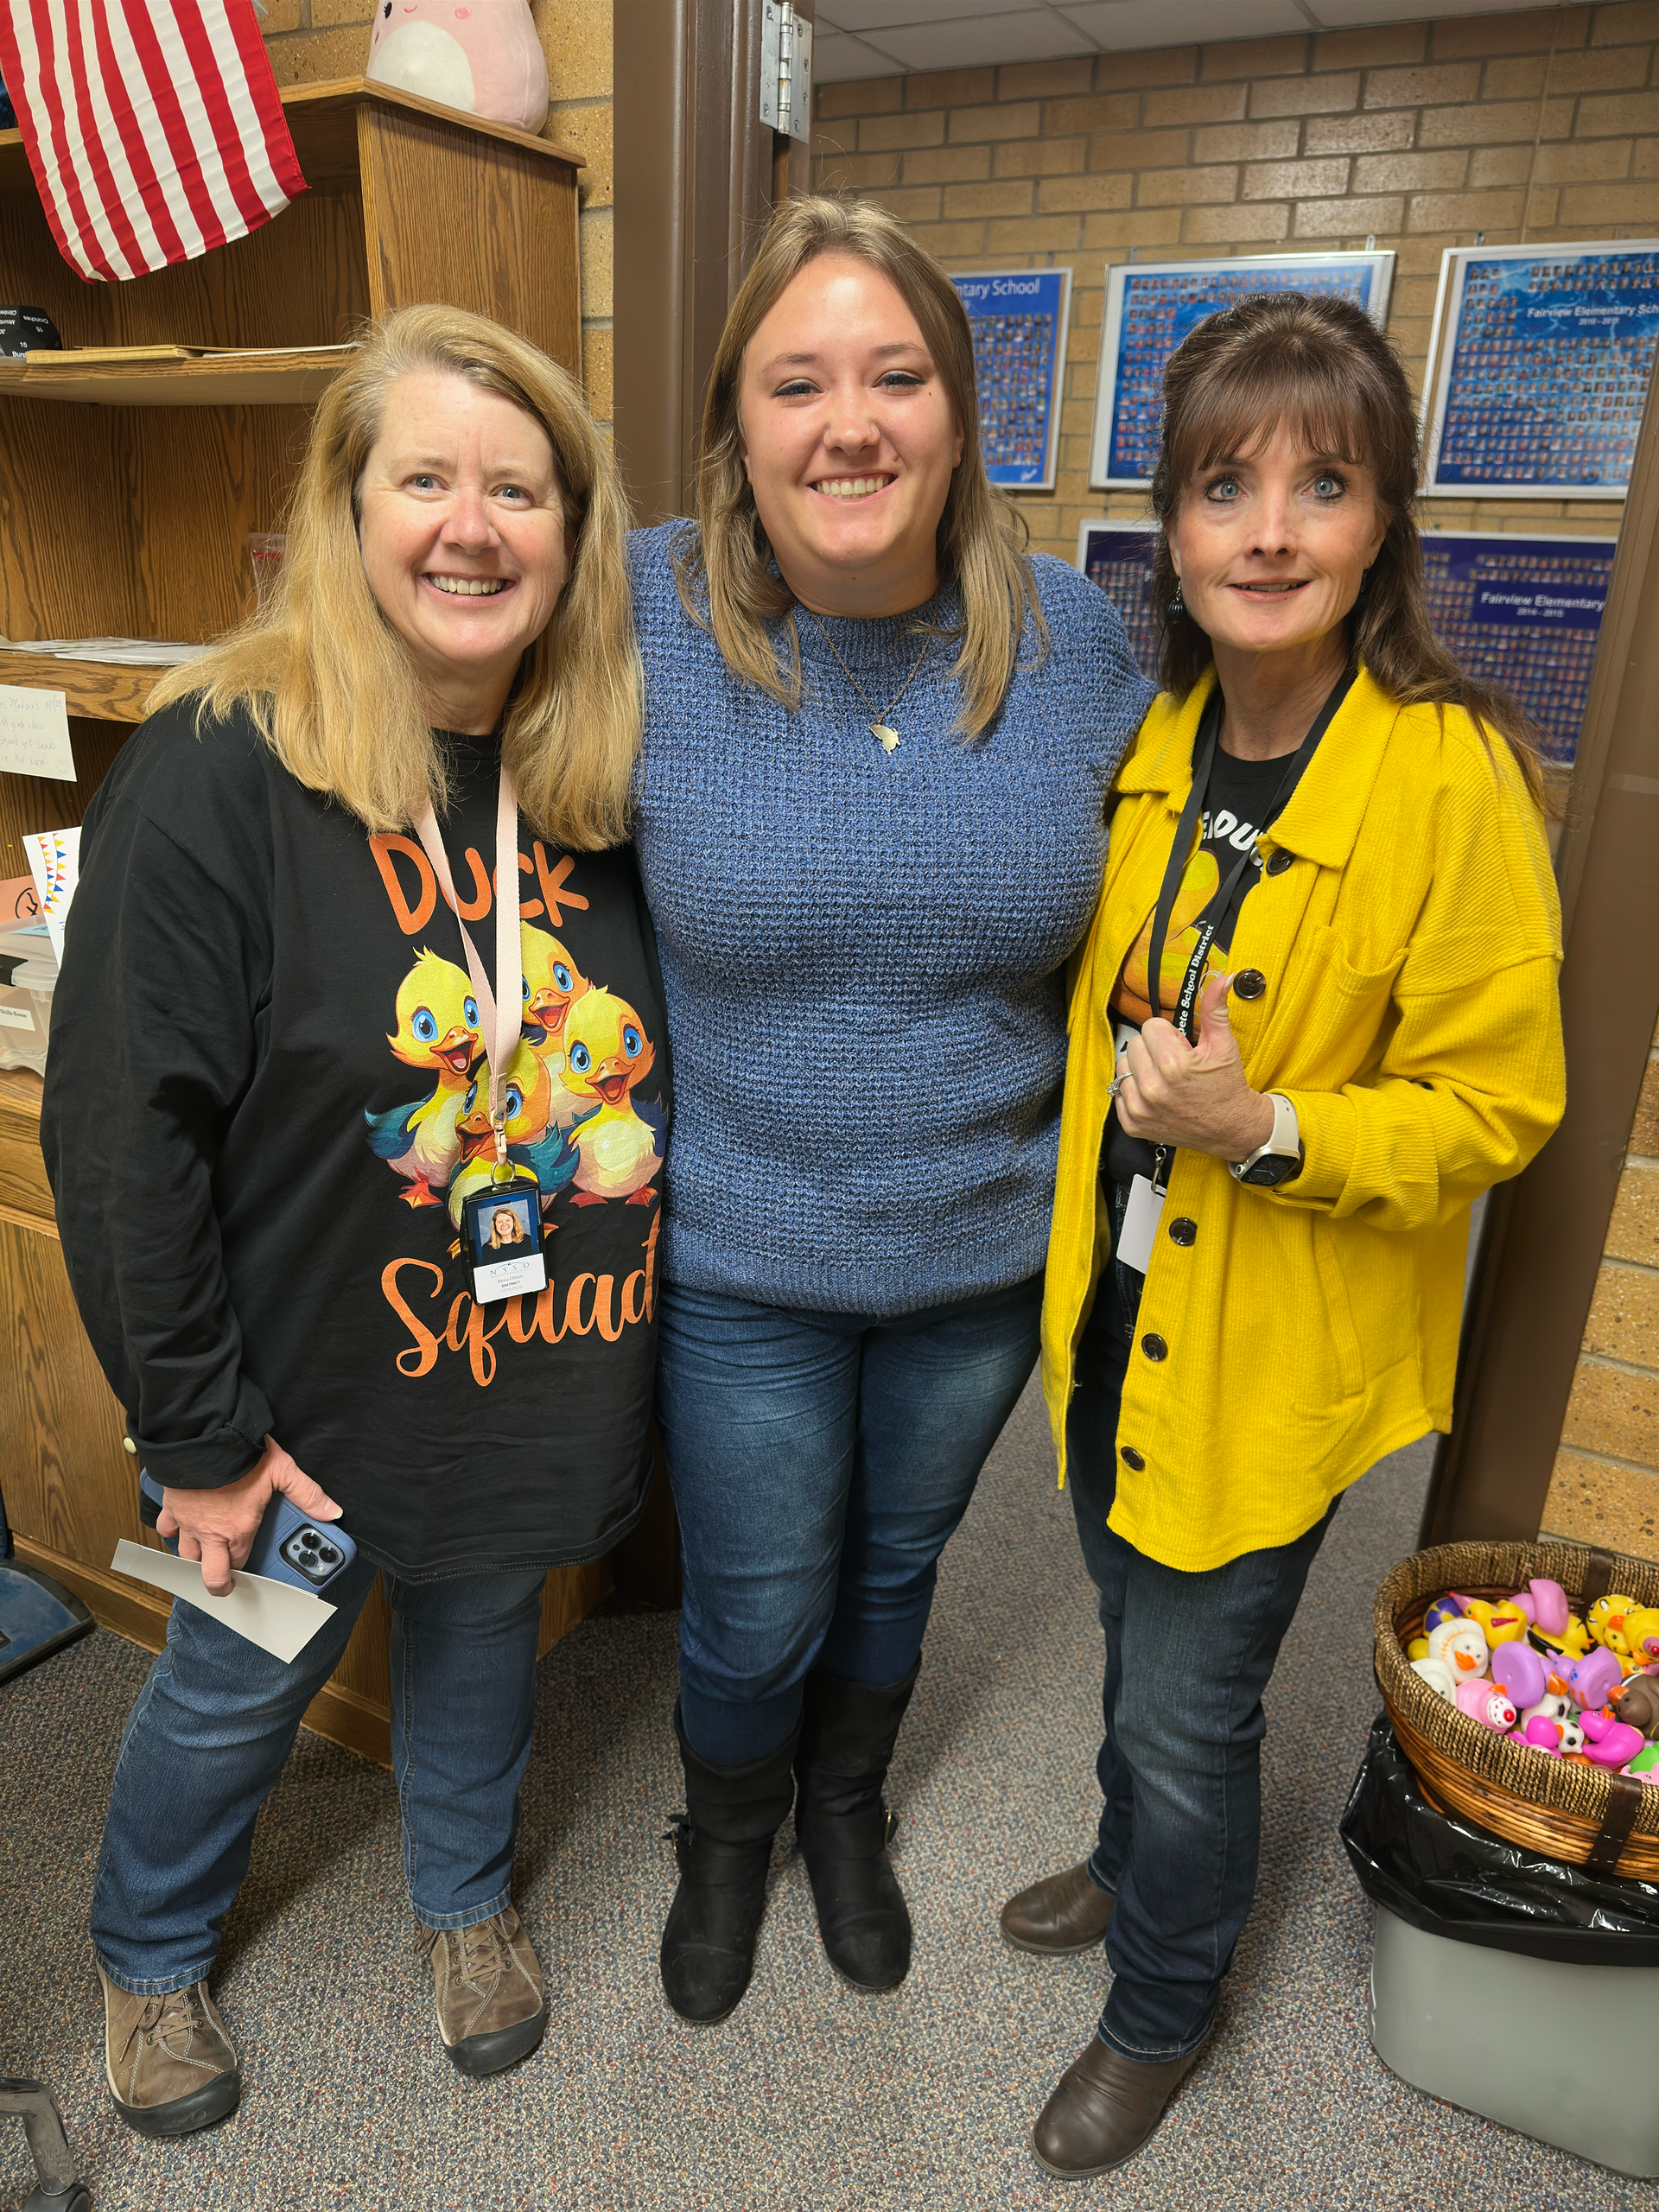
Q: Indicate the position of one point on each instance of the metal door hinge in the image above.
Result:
(786, 70)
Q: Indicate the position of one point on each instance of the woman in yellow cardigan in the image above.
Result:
(1316, 1016)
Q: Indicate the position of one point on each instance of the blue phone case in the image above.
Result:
(289, 1548)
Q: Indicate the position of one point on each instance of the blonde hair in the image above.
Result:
(728, 581)
(328, 682)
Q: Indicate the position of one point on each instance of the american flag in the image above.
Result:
(154, 127)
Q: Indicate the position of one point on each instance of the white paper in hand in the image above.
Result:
(276, 1616)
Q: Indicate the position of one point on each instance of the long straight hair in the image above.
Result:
(329, 683)
(1321, 368)
(728, 577)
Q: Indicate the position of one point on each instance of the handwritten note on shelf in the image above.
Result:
(35, 733)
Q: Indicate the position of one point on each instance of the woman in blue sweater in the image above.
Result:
(878, 742)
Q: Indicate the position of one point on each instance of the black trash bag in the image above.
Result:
(1441, 1873)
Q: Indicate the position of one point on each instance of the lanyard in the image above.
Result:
(1203, 758)
(502, 1008)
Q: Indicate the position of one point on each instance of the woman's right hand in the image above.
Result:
(217, 1527)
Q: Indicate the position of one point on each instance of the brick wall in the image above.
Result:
(312, 41)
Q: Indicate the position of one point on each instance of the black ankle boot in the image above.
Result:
(722, 1843)
(848, 1733)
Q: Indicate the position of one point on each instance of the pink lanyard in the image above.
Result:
(502, 1008)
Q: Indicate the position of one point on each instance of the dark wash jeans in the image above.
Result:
(216, 1719)
(1188, 1658)
(820, 1463)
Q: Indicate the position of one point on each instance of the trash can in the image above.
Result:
(1521, 1988)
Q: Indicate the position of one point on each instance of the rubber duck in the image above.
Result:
(606, 1053)
(1553, 1724)
(1637, 1704)
(1642, 1634)
(552, 984)
(1609, 1743)
(1593, 1679)
(437, 1028)
(1544, 1604)
(1573, 1641)
(532, 1142)
(1605, 1621)
(1449, 1608)
(1462, 1645)
(1645, 1765)
(1504, 1623)
(1486, 1703)
(1518, 1669)
(1439, 1676)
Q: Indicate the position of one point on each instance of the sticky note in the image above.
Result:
(35, 733)
(276, 1616)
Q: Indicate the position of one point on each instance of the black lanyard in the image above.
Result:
(1204, 756)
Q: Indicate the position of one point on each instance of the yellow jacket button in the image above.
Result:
(1131, 1457)
(1182, 1231)
(1250, 984)
(127, 1444)
(1279, 862)
(1155, 1347)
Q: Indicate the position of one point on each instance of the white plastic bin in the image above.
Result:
(1589, 2086)
(25, 1017)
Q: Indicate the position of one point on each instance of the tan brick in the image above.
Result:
(1012, 119)
(1184, 187)
(1044, 80)
(1295, 179)
(950, 88)
(946, 164)
(919, 205)
(1535, 30)
(577, 39)
(1612, 1411)
(1335, 93)
(1160, 65)
(593, 245)
(1412, 297)
(1497, 123)
(1620, 204)
(1441, 172)
(1065, 195)
(880, 134)
(1139, 149)
(588, 130)
(1387, 133)
(596, 356)
(1011, 198)
(319, 58)
(1246, 142)
(1612, 115)
(1099, 111)
(1595, 161)
(1033, 234)
(280, 16)
(1197, 104)
(1437, 87)
(1490, 166)
(1263, 221)
(1039, 157)
(1633, 1231)
(1342, 219)
(1253, 57)
(951, 243)
(1607, 69)
(1623, 1321)
(327, 13)
(1644, 160)
(1371, 49)
(1617, 26)
(863, 96)
(1145, 226)
(1464, 211)
(1590, 1503)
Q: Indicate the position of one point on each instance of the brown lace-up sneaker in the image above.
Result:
(491, 2000)
(170, 2064)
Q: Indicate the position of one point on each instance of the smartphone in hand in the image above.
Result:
(289, 1547)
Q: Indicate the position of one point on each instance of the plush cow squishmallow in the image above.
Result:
(482, 56)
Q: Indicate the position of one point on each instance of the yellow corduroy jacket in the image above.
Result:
(1411, 1013)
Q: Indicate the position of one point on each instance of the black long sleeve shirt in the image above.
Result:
(263, 1048)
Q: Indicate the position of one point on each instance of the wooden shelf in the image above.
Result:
(111, 692)
(296, 378)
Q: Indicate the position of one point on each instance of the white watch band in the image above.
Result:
(1284, 1140)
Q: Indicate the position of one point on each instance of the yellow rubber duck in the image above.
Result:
(606, 1053)
(553, 983)
(437, 1028)
(1504, 1623)
(532, 1143)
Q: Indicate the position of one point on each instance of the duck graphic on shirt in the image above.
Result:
(533, 1140)
(437, 1028)
(606, 1053)
(1132, 997)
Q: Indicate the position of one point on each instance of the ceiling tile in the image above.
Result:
(838, 60)
(881, 19)
(977, 41)
(1354, 15)
(1123, 25)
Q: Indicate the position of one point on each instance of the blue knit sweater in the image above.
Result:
(862, 950)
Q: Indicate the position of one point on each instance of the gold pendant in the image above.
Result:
(886, 738)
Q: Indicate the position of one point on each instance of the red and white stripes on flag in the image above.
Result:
(154, 127)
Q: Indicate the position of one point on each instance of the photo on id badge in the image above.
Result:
(501, 1227)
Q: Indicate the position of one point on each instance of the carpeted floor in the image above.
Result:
(810, 2096)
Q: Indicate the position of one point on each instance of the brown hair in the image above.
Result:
(1322, 367)
(728, 581)
(328, 681)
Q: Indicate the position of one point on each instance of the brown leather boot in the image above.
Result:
(1103, 2109)
(491, 2000)
(1059, 1916)
(169, 2063)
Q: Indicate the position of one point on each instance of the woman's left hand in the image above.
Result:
(1194, 1096)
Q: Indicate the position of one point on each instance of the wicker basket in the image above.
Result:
(1583, 1815)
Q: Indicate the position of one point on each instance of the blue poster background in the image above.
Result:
(1550, 370)
(1161, 308)
(1015, 316)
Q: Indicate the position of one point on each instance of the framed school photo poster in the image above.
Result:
(1117, 555)
(1538, 367)
(1018, 318)
(1152, 305)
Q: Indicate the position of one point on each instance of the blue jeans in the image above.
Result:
(1188, 1658)
(216, 1719)
(820, 1462)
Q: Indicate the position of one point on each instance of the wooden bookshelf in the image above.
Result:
(132, 483)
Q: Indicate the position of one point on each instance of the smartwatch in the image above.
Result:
(1280, 1157)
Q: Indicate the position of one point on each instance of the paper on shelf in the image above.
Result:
(35, 733)
(276, 1616)
(54, 858)
(123, 652)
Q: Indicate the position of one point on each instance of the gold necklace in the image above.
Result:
(880, 729)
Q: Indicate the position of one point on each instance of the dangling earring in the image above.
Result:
(1178, 604)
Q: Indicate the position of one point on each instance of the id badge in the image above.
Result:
(501, 1235)
(1140, 1219)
